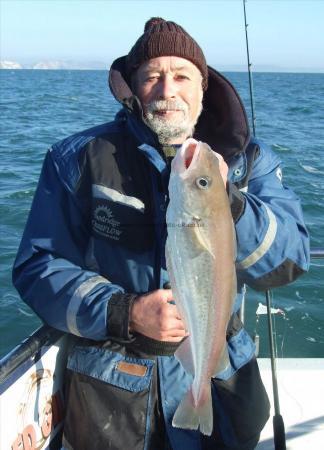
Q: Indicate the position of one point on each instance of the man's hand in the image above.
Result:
(153, 316)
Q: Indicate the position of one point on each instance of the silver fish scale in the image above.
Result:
(192, 268)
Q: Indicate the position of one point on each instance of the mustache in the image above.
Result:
(163, 105)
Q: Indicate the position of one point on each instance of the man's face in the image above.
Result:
(170, 91)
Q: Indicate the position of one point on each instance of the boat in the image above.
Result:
(32, 397)
(31, 391)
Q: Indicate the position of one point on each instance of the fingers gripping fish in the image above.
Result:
(200, 255)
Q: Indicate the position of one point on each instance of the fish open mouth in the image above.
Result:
(186, 157)
(189, 153)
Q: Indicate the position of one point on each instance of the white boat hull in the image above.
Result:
(31, 400)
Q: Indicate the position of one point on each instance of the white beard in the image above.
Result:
(169, 129)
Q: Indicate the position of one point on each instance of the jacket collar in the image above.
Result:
(223, 123)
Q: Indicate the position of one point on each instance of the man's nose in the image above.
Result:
(167, 88)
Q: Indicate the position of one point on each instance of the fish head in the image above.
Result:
(195, 179)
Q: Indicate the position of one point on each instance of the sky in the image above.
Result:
(283, 34)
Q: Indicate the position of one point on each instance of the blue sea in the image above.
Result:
(41, 107)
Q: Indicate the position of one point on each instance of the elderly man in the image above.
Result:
(92, 263)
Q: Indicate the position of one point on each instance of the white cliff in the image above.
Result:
(10, 65)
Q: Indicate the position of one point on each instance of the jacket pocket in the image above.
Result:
(108, 397)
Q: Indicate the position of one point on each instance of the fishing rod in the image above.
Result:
(279, 435)
(278, 423)
(249, 71)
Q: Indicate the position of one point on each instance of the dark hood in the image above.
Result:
(223, 123)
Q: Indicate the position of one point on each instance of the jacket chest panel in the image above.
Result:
(120, 196)
(121, 223)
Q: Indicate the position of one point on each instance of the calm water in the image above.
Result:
(41, 107)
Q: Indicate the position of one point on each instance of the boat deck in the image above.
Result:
(301, 396)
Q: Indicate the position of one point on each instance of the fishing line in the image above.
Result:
(279, 348)
(284, 335)
(256, 336)
(282, 315)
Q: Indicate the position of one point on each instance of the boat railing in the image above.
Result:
(317, 253)
(28, 350)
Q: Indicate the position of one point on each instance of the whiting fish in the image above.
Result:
(200, 255)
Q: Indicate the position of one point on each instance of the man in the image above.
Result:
(91, 261)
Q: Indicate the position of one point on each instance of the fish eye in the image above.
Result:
(203, 182)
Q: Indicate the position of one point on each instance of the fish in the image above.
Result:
(200, 258)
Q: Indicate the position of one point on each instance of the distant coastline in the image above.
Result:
(54, 65)
(99, 65)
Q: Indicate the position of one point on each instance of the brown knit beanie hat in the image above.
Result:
(165, 38)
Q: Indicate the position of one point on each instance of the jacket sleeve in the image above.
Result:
(272, 240)
(50, 272)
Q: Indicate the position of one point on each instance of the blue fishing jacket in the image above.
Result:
(96, 233)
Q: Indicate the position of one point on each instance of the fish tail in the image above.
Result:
(191, 414)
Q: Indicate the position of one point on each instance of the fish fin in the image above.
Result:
(202, 238)
(191, 417)
(184, 355)
(223, 363)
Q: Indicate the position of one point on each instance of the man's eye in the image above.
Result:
(182, 77)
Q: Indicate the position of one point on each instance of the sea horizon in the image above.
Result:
(320, 72)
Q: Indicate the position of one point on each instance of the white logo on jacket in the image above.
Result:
(105, 224)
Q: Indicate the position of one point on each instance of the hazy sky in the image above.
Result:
(282, 33)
